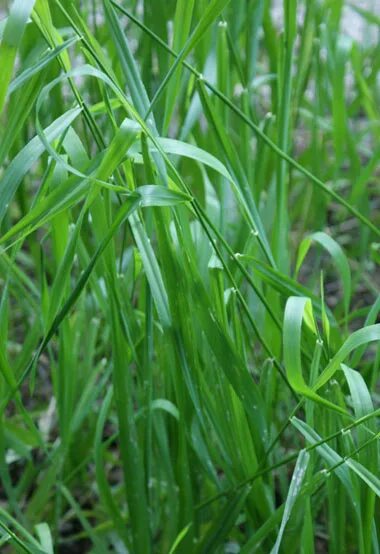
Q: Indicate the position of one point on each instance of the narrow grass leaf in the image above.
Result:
(293, 493)
(25, 159)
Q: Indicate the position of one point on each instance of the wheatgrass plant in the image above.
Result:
(189, 250)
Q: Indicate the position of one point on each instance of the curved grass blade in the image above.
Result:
(355, 340)
(339, 259)
(296, 310)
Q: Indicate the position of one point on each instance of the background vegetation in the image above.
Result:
(189, 275)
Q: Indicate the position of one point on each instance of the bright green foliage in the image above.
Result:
(190, 294)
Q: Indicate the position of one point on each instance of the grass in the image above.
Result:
(189, 235)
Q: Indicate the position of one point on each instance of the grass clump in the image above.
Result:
(189, 221)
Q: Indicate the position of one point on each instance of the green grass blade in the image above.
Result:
(11, 39)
